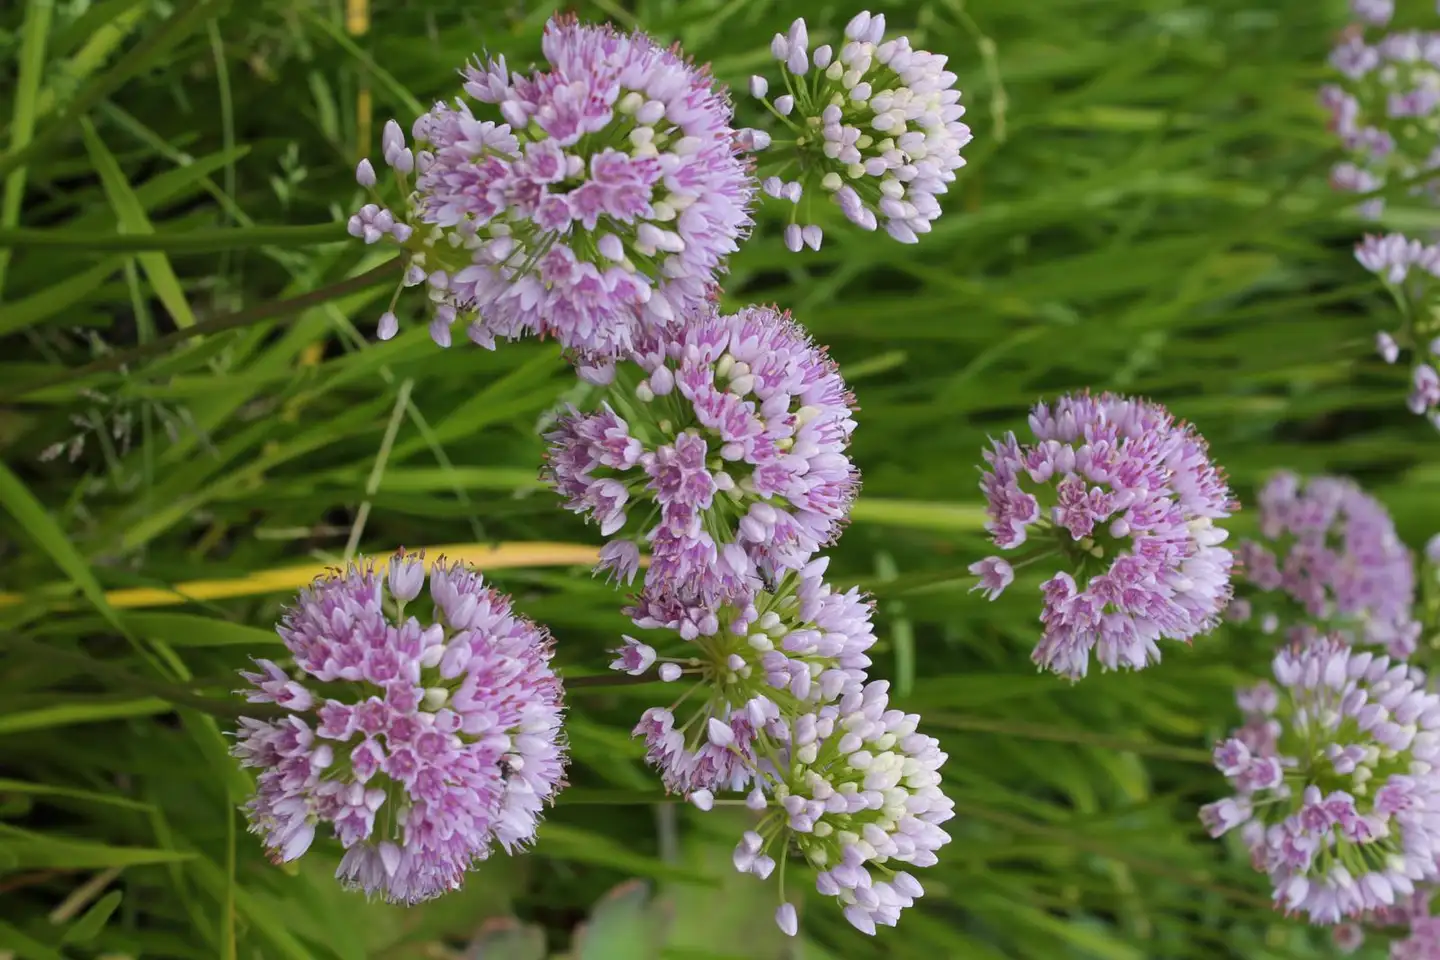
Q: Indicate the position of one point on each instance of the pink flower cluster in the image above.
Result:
(421, 745)
(595, 200)
(1127, 498)
(860, 792)
(601, 203)
(754, 662)
(1333, 550)
(1337, 788)
(1384, 108)
(1409, 269)
(876, 125)
(729, 461)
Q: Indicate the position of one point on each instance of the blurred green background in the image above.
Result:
(1144, 210)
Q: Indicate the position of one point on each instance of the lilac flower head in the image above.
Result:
(1332, 549)
(857, 794)
(1410, 269)
(1374, 13)
(1385, 108)
(755, 664)
(1422, 939)
(601, 202)
(1128, 497)
(1411, 912)
(421, 744)
(1402, 262)
(727, 455)
(1347, 937)
(875, 124)
(1342, 808)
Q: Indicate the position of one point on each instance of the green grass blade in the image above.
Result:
(25, 946)
(387, 80)
(190, 630)
(186, 242)
(188, 16)
(90, 710)
(35, 852)
(132, 219)
(944, 517)
(97, 33)
(35, 520)
(93, 921)
(70, 793)
(34, 33)
(56, 299)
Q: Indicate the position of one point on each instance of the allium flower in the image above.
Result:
(1375, 13)
(1410, 912)
(1409, 270)
(995, 575)
(1424, 394)
(1348, 937)
(420, 744)
(1422, 939)
(601, 201)
(756, 663)
(875, 124)
(860, 793)
(1386, 346)
(1384, 110)
(1333, 550)
(723, 446)
(1342, 811)
(1127, 496)
(1407, 266)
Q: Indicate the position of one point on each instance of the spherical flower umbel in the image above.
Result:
(1332, 549)
(875, 125)
(1342, 810)
(1384, 109)
(420, 744)
(1422, 936)
(722, 445)
(1127, 498)
(857, 792)
(753, 664)
(601, 200)
(1374, 13)
(1416, 935)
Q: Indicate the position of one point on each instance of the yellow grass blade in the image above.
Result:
(283, 579)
